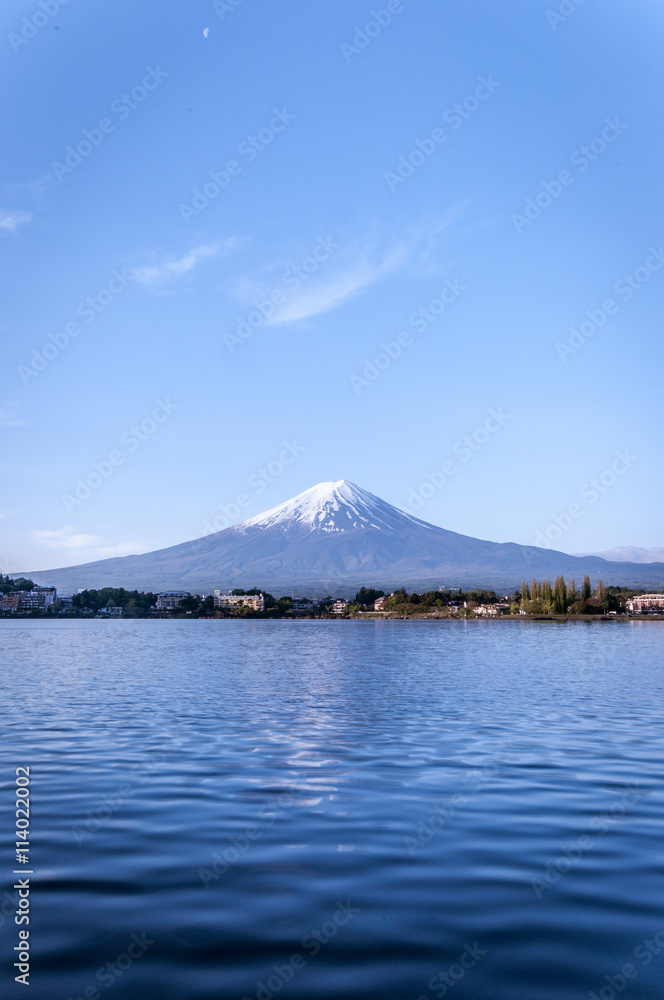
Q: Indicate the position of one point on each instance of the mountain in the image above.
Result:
(630, 553)
(332, 539)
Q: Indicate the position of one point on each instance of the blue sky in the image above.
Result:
(412, 210)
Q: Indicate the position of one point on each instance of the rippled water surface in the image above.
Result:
(337, 809)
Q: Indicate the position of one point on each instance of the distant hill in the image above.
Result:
(334, 538)
(630, 553)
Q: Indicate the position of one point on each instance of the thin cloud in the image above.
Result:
(353, 268)
(11, 220)
(331, 294)
(34, 190)
(174, 268)
(8, 417)
(94, 546)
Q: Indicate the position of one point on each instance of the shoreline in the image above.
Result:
(366, 616)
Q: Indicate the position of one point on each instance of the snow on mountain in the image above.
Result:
(333, 507)
(333, 538)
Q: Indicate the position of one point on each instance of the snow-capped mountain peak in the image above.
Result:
(332, 507)
(333, 539)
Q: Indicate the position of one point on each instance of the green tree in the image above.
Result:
(7, 585)
(559, 596)
(586, 589)
(367, 595)
(191, 603)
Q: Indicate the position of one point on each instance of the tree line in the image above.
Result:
(539, 597)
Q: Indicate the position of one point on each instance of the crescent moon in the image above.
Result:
(206, 32)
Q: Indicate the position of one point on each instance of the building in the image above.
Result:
(254, 601)
(11, 601)
(646, 602)
(114, 611)
(29, 600)
(338, 608)
(491, 610)
(379, 605)
(38, 597)
(169, 599)
(301, 607)
(66, 601)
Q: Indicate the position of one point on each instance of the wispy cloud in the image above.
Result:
(8, 416)
(158, 273)
(11, 220)
(93, 546)
(34, 190)
(330, 294)
(357, 265)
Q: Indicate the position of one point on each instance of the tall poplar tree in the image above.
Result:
(559, 596)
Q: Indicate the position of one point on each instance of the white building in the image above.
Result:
(169, 599)
(379, 605)
(338, 608)
(646, 602)
(301, 607)
(29, 600)
(254, 601)
(49, 595)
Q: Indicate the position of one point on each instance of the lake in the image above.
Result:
(313, 809)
